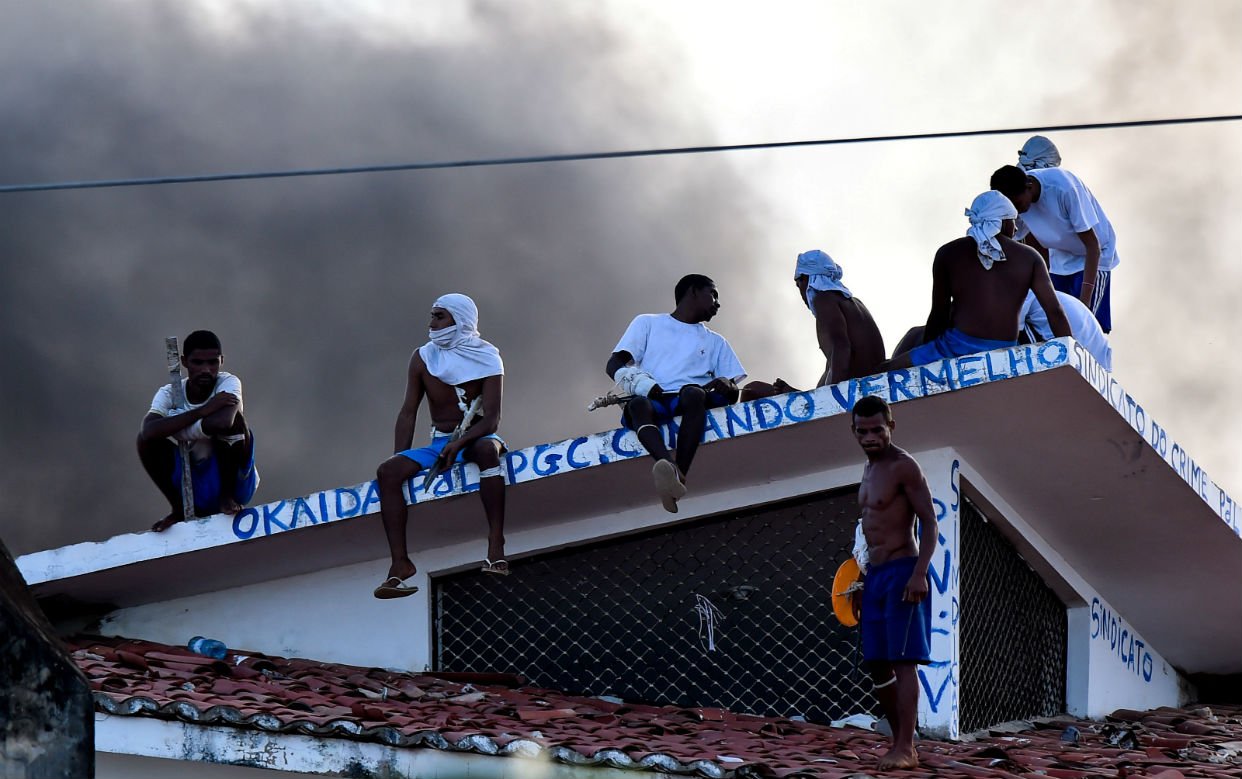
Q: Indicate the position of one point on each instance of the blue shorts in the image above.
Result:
(894, 631)
(426, 456)
(954, 343)
(206, 478)
(1101, 298)
(664, 408)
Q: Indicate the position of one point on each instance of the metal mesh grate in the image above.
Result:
(630, 617)
(1013, 632)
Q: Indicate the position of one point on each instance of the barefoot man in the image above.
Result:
(896, 609)
(451, 370)
(674, 365)
(221, 444)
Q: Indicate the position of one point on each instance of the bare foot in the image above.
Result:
(167, 522)
(230, 506)
(896, 759)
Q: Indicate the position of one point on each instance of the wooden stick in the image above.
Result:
(173, 354)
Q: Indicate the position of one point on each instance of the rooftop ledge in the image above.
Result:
(1043, 424)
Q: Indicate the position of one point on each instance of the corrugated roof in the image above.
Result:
(288, 695)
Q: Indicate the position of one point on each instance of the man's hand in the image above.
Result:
(916, 588)
(448, 455)
(722, 385)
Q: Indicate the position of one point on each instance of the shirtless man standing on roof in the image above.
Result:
(895, 609)
(451, 370)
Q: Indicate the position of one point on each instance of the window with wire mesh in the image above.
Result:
(1012, 632)
(729, 612)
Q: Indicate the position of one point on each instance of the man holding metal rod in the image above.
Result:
(199, 418)
(461, 377)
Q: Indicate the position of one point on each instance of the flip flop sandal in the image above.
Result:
(395, 587)
(499, 567)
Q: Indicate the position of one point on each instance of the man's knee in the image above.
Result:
(485, 453)
(692, 396)
(639, 411)
(395, 470)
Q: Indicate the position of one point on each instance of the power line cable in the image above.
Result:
(602, 155)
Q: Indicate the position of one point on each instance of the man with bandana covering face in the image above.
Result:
(979, 283)
(453, 369)
(848, 335)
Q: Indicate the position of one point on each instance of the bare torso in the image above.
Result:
(866, 344)
(442, 400)
(887, 513)
(986, 302)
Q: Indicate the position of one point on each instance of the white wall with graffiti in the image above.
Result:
(329, 613)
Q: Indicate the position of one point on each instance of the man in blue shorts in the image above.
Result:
(674, 365)
(896, 608)
(1064, 221)
(979, 283)
(221, 445)
(451, 370)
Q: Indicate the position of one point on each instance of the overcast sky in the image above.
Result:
(319, 287)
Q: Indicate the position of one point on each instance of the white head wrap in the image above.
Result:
(823, 274)
(1038, 152)
(986, 214)
(467, 357)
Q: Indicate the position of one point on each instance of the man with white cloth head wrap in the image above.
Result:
(979, 283)
(1038, 152)
(986, 214)
(848, 335)
(455, 371)
(674, 365)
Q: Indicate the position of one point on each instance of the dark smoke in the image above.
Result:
(319, 288)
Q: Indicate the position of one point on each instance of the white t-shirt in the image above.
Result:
(676, 353)
(1065, 208)
(1083, 325)
(200, 442)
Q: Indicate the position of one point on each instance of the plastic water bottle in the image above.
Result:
(209, 647)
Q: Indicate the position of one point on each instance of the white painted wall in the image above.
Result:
(330, 615)
(1109, 666)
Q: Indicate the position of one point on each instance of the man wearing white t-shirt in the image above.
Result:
(1086, 330)
(221, 444)
(1071, 231)
(674, 365)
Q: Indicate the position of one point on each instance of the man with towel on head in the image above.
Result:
(674, 365)
(978, 285)
(848, 336)
(451, 370)
(1038, 152)
(1064, 221)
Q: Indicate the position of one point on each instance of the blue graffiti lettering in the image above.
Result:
(870, 385)
(546, 465)
(803, 399)
(617, 438)
(269, 518)
(933, 698)
(250, 514)
(957, 491)
(355, 502)
(572, 449)
(897, 385)
(941, 582)
(846, 401)
(734, 421)
(299, 504)
(1123, 643)
(968, 375)
(516, 462)
(712, 427)
(943, 379)
(763, 406)
(1018, 356)
(1062, 353)
(993, 375)
(371, 498)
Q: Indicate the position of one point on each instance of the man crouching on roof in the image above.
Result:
(674, 365)
(451, 370)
